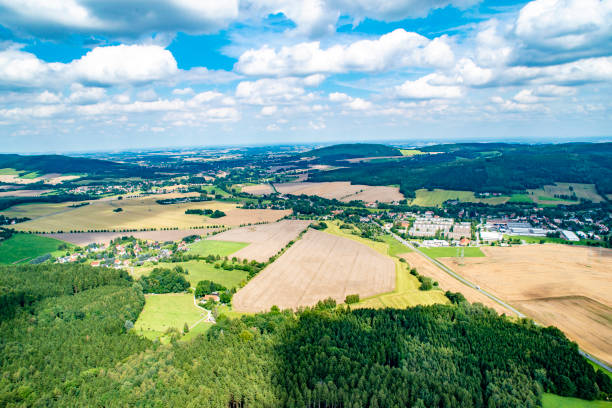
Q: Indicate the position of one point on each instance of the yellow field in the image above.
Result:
(426, 198)
(36, 210)
(138, 213)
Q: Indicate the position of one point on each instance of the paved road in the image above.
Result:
(484, 292)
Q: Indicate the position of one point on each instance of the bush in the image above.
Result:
(350, 299)
(426, 283)
(162, 280)
(217, 214)
(206, 287)
(118, 209)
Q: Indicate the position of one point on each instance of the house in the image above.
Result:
(464, 241)
(212, 296)
(95, 263)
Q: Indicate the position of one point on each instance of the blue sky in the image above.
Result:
(80, 75)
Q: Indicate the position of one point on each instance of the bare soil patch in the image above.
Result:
(258, 189)
(318, 266)
(265, 239)
(23, 193)
(342, 190)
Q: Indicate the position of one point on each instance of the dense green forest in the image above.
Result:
(66, 341)
(482, 167)
(164, 280)
(352, 150)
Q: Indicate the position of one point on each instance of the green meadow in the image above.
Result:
(222, 248)
(555, 401)
(21, 248)
(449, 252)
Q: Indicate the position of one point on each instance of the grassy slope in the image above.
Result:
(198, 270)
(411, 152)
(555, 401)
(164, 311)
(25, 247)
(210, 247)
(452, 252)
(426, 198)
(406, 293)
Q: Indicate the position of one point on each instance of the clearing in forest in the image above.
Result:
(317, 267)
(265, 240)
(561, 285)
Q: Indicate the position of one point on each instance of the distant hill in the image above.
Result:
(352, 150)
(484, 167)
(53, 163)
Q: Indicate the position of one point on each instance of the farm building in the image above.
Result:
(569, 236)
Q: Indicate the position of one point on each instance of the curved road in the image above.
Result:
(484, 292)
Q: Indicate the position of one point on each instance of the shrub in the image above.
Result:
(350, 299)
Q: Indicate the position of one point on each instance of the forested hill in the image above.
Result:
(46, 164)
(483, 167)
(66, 340)
(353, 150)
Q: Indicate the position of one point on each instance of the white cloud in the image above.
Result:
(268, 91)
(124, 64)
(183, 91)
(268, 110)
(147, 95)
(350, 102)
(131, 18)
(396, 49)
(82, 95)
(48, 97)
(427, 87)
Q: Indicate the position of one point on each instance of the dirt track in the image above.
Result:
(318, 266)
(266, 239)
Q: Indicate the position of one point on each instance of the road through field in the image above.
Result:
(484, 292)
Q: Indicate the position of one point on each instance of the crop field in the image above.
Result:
(21, 248)
(265, 239)
(215, 247)
(258, 189)
(406, 292)
(556, 401)
(86, 238)
(411, 152)
(435, 198)
(144, 212)
(162, 312)
(449, 252)
(565, 286)
(23, 193)
(342, 190)
(318, 266)
(37, 210)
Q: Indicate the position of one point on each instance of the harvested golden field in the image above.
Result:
(86, 238)
(447, 282)
(265, 239)
(318, 266)
(258, 189)
(144, 212)
(342, 190)
(37, 210)
(561, 285)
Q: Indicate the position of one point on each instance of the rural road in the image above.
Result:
(484, 292)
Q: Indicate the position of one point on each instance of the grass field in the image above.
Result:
(449, 252)
(164, 311)
(520, 198)
(395, 247)
(209, 247)
(199, 270)
(435, 198)
(411, 152)
(555, 401)
(21, 248)
(9, 172)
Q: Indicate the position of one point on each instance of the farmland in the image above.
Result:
(142, 213)
(436, 197)
(86, 238)
(585, 191)
(200, 270)
(568, 287)
(207, 247)
(318, 266)
(340, 190)
(449, 252)
(25, 247)
(265, 239)
(162, 312)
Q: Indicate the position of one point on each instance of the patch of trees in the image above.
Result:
(350, 299)
(206, 287)
(163, 280)
(207, 212)
(4, 220)
(426, 283)
(318, 225)
(61, 326)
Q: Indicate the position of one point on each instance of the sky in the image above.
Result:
(88, 75)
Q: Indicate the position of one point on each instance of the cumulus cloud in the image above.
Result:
(350, 102)
(86, 95)
(272, 91)
(127, 18)
(428, 87)
(396, 49)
